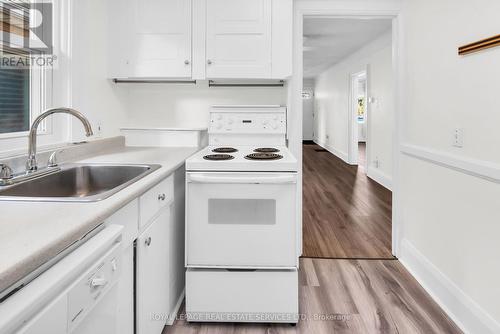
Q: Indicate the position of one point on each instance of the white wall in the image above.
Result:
(91, 92)
(167, 105)
(332, 99)
(451, 219)
(308, 111)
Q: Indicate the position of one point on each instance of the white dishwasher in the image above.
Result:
(78, 295)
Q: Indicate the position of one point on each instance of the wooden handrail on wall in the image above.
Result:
(479, 45)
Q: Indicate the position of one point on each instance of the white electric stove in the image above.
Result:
(245, 138)
(242, 233)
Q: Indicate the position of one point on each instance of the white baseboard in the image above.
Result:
(380, 177)
(176, 309)
(465, 312)
(334, 151)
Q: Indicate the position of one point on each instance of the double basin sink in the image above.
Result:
(77, 183)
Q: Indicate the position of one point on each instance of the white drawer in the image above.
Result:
(154, 200)
(242, 296)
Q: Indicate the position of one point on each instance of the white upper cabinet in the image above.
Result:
(201, 39)
(153, 39)
(239, 39)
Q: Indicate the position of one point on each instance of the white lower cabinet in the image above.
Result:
(152, 276)
(242, 295)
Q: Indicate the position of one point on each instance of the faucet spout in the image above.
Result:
(31, 164)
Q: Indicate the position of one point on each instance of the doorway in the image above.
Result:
(359, 118)
(346, 213)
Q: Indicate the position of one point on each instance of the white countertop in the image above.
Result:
(33, 232)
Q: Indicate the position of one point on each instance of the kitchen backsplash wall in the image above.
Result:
(187, 105)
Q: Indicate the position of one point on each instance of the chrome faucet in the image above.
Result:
(31, 164)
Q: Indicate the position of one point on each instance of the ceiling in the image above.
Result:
(327, 41)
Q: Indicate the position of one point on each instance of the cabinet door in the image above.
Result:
(161, 41)
(239, 39)
(152, 276)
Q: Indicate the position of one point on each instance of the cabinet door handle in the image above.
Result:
(161, 197)
(209, 62)
(147, 241)
(186, 62)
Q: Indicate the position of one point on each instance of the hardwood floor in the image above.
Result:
(345, 214)
(349, 297)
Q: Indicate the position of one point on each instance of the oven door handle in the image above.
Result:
(279, 179)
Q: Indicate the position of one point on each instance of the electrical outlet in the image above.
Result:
(458, 137)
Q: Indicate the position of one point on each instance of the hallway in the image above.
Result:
(345, 214)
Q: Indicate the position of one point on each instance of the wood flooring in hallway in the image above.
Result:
(348, 297)
(345, 214)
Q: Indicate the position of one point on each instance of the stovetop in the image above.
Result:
(243, 158)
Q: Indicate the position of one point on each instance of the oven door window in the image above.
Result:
(242, 211)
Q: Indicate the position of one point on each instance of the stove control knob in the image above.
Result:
(264, 122)
(275, 126)
(219, 117)
(275, 118)
(230, 121)
(219, 126)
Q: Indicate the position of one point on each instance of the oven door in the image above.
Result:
(241, 220)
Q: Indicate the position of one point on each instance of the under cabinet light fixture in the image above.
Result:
(212, 83)
(160, 81)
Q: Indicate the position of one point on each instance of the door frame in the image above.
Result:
(353, 153)
(363, 9)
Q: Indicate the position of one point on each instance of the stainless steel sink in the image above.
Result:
(77, 183)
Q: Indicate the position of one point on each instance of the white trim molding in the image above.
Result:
(380, 177)
(339, 154)
(475, 167)
(464, 311)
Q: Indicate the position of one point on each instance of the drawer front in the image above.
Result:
(242, 296)
(154, 200)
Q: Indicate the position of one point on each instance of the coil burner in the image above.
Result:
(264, 156)
(266, 150)
(218, 157)
(225, 150)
